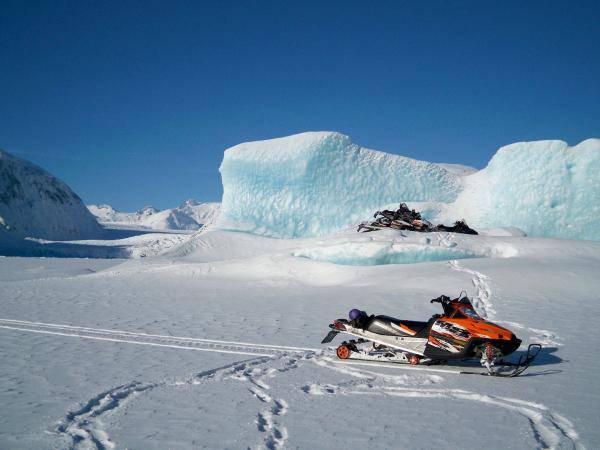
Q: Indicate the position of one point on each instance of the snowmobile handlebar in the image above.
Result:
(441, 299)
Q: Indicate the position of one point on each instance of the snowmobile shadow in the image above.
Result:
(537, 374)
(545, 357)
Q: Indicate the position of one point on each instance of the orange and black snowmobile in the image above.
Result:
(458, 334)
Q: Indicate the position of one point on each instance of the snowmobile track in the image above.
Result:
(185, 343)
(483, 304)
(482, 300)
(83, 425)
(550, 429)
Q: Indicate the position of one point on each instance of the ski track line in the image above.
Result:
(549, 429)
(131, 333)
(483, 304)
(154, 344)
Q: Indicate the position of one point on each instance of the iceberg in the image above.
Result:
(545, 188)
(316, 183)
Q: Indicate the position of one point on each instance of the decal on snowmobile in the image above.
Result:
(403, 329)
(439, 342)
(448, 328)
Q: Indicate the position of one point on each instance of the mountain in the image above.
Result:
(34, 203)
(190, 215)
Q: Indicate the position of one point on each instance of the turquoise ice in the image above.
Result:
(313, 184)
(546, 188)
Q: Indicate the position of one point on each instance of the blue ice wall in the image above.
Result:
(313, 184)
(546, 188)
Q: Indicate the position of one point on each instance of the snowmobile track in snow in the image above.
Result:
(550, 429)
(483, 304)
(186, 343)
(482, 300)
(83, 426)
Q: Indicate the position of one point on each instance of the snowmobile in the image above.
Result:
(459, 334)
(460, 226)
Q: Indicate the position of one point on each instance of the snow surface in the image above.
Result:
(34, 203)
(546, 188)
(190, 215)
(216, 345)
(312, 184)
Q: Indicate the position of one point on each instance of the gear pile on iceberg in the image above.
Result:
(406, 219)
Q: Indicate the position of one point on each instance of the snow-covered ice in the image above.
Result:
(216, 345)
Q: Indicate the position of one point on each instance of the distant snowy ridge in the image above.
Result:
(190, 215)
(313, 184)
(34, 203)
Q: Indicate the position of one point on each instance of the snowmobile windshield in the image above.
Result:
(470, 312)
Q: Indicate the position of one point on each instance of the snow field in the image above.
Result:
(84, 367)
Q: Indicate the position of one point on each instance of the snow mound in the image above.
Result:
(169, 219)
(202, 213)
(107, 214)
(312, 184)
(545, 188)
(458, 169)
(380, 253)
(503, 231)
(34, 203)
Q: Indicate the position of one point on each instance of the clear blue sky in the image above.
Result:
(133, 102)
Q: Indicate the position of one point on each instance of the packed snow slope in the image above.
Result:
(545, 188)
(312, 184)
(34, 203)
(190, 215)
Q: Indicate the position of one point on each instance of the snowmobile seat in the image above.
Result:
(390, 326)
